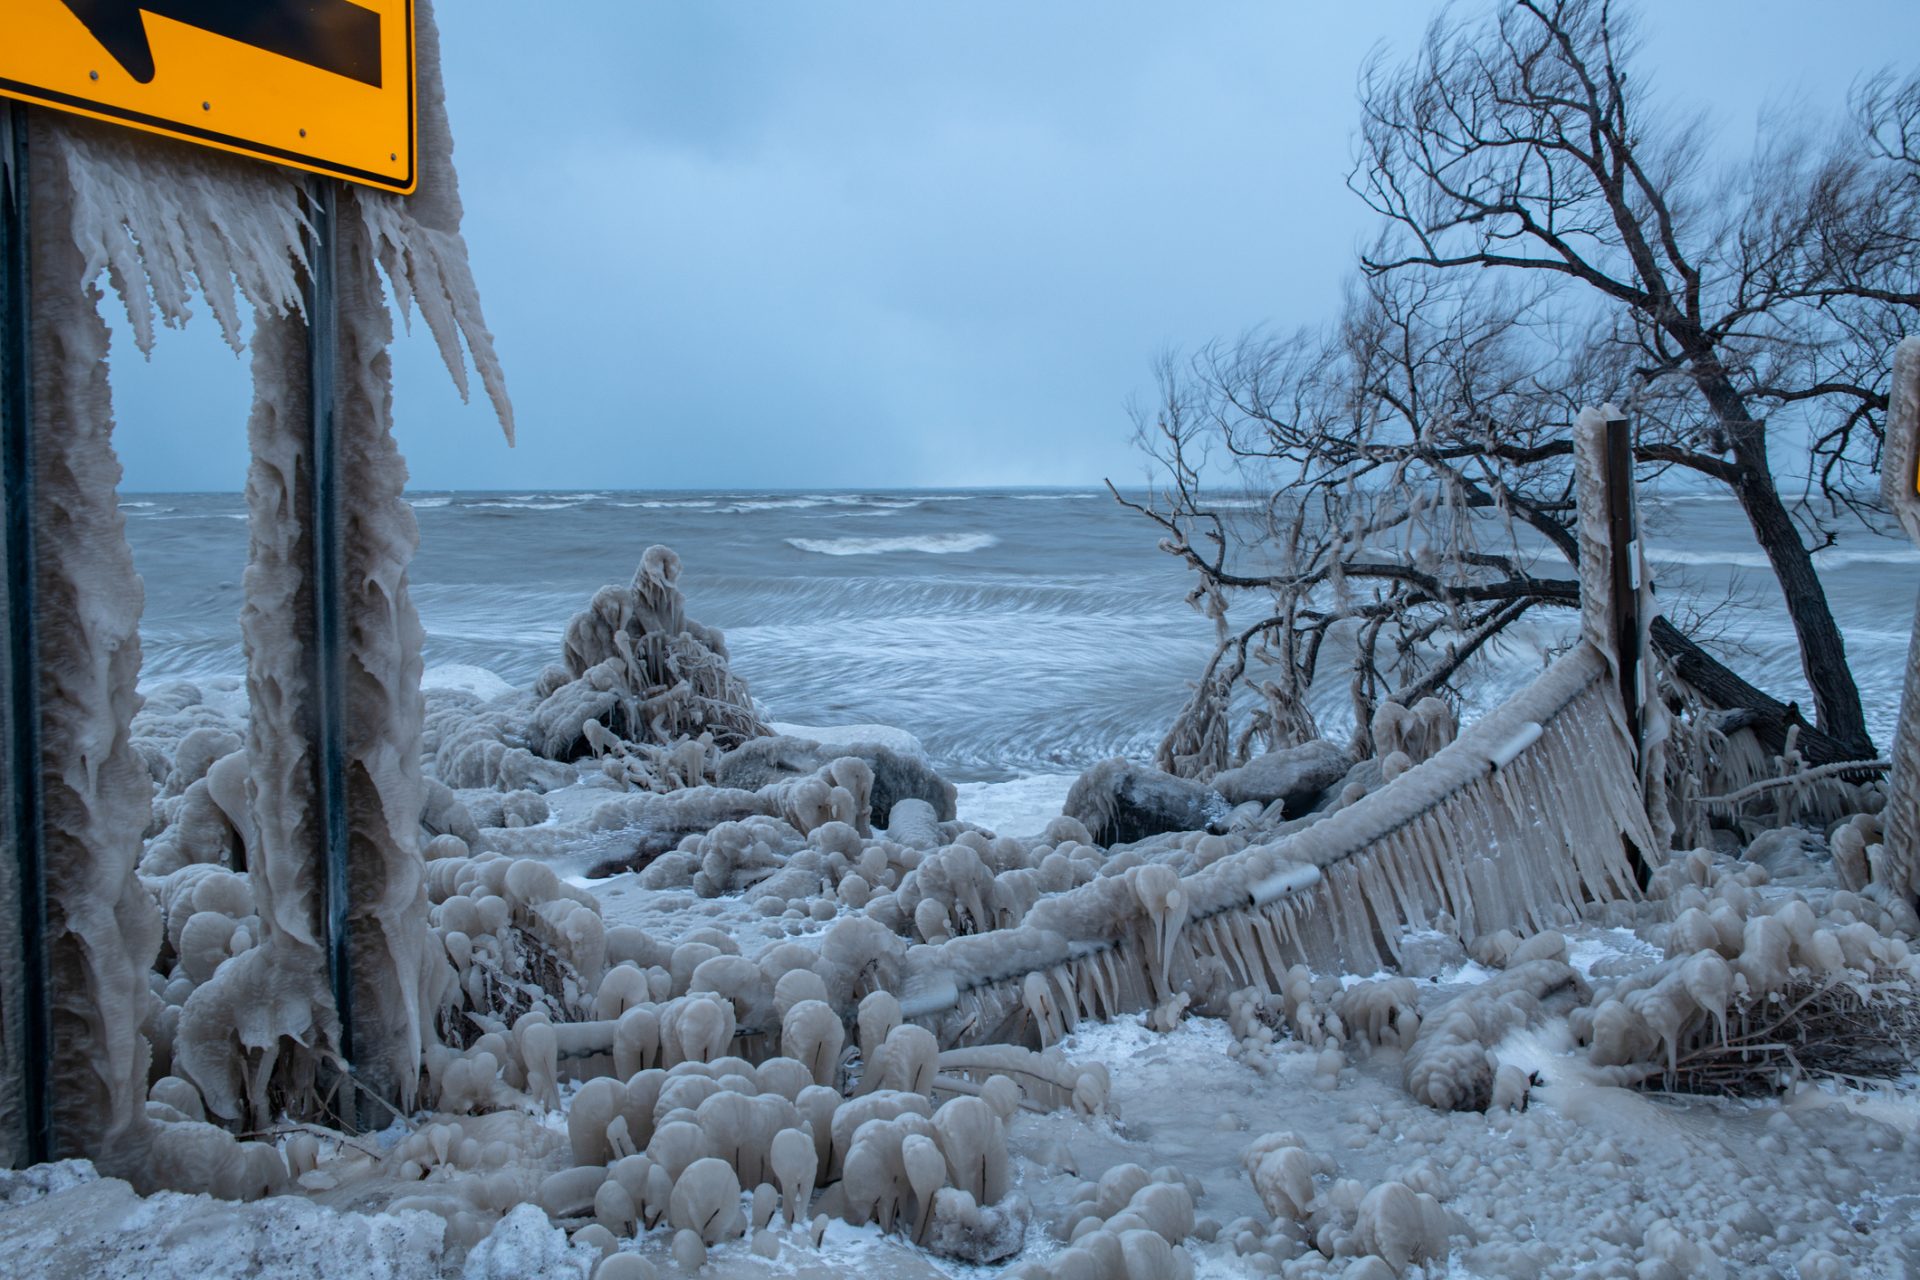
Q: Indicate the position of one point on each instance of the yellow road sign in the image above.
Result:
(324, 85)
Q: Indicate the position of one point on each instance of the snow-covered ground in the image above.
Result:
(1314, 1131)
(1589, 1180)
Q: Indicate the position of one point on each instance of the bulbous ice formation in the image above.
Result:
(638, 669)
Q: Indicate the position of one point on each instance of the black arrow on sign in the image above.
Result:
(332, 35)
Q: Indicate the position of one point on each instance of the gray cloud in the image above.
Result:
(896, 244)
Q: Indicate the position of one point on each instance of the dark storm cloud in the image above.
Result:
(887, 243)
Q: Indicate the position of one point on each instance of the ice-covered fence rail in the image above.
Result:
(1492, 845)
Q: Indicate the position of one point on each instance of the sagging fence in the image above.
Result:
(1552, 801)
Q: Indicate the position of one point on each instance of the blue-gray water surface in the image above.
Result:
(1013, 632)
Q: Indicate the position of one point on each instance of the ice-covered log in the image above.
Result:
(103, 930)
(1294, 776)
(1121, 802)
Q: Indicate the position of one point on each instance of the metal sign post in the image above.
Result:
(329, 649)
(1624, 562)
(25, 1016)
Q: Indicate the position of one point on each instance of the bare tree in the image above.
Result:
(1526, 145)
(1405, 505)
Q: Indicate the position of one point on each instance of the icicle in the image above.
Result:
(1264, 933)
(417, 240)
(1069, 997)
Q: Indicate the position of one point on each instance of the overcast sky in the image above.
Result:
(879, 243)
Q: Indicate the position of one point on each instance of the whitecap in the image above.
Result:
(936, 544)
(1837, 557)
(1737, 559)
(781, 504)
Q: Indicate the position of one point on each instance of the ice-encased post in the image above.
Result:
(24, 1104)
(391, 959)
(391, 950)
(1623, 554)
(1900, 486)
(1612, 618)
(96, 796)
(333, 663)
(327, 646)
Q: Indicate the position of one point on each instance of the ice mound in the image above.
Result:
(636, 671)
(641, 690)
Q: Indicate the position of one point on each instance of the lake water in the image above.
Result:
(1016, 633)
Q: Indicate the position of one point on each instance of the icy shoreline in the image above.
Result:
(672, 974)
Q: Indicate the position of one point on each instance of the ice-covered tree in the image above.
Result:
(1552, 236)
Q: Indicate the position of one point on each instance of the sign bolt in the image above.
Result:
(93, 75)
(206, 106)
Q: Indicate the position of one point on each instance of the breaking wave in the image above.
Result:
(934, 544)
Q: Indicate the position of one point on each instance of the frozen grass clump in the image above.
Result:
(1759, 988)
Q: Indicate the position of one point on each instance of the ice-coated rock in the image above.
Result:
(1120, 802)
(1295, 776)
(897, 775)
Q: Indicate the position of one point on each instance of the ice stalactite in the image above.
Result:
(1900, 847)
(103, 930)
(418, 243)
(166, 222)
